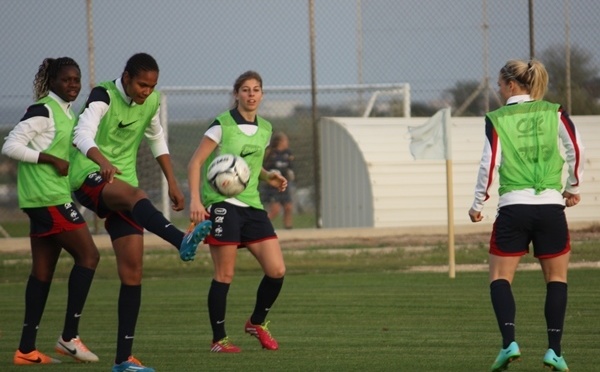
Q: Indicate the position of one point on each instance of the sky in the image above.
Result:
(429, 44)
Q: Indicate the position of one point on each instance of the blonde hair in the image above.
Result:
(530, 75)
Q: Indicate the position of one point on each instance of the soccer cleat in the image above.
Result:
(261, 332)
(34, 357)
(75, 349)
(224, 346)
(510, 354)
(131, 365)
(193, 237)
(555, 363)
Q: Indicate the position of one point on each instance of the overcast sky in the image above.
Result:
(429, 43)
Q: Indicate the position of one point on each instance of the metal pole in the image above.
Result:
(531, 34)
(486, 75)
(313, 85)
(359, 49)
(568, 56)
(90, 39)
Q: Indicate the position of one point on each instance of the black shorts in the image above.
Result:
(518, 225)
(45, 221)
(233, 225)
(270, 194)
(117, 223)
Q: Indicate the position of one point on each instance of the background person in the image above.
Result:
(41, 143)
(522, 145)
(279, 158)
(117, 116)
(240, 221)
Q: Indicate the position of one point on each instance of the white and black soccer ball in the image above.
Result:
(228, 174)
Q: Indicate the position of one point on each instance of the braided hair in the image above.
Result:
(47, 71)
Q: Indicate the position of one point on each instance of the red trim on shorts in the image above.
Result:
(211, 240)
(563, 252)
(59, 224)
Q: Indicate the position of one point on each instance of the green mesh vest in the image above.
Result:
(528, 134)
(119, 135)
(251, 148)
(39, 185)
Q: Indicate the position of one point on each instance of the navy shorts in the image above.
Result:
(516, 226)
(270, 194)
(234, 225)
(45, 221)
(118, 223)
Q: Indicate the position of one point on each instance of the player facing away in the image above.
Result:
(522, 146)
(41, 143)
(118, 114)
(240, 221)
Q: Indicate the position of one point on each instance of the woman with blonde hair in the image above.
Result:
(522, 146)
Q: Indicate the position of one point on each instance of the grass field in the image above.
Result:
(337, 312)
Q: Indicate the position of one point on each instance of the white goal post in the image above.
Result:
(280, 103)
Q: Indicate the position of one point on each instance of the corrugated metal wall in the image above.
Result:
(369, 178)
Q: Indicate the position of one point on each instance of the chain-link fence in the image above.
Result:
(447, 52)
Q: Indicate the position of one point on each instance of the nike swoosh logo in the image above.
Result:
(77, 315)
(247, 152)
(72, 351)
(129, 337)
(121, 125)
(38, 360)
(220, 321)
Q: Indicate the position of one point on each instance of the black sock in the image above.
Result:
(555, 309)
(217, 304)
(146, 214)
(505, 309)
(80, 282)
(130, 298)
(267, 293)
(36, 295)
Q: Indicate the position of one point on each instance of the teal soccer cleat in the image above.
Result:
(193, 237)
(506, 356)
(131, 365)
(555, 363)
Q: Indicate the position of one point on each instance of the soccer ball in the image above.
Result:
(228, 174)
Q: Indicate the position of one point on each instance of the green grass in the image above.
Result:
(337, 312)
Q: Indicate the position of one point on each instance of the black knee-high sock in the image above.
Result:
(80, 282)
(555, 309)
(130, 299)
(36, 295)
(505, 309)
(267, 293)
(217, 305)
(146, 214)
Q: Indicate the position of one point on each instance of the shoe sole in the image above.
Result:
(66, 353)
(552, 368)
(196, 239)
(504, 367)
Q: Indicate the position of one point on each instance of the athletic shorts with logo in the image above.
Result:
(241, 226)
(118, 223)
(544, 226)
(45, 221)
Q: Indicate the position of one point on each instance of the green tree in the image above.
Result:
(583, 73)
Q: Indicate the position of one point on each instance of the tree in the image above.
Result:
(584, 101)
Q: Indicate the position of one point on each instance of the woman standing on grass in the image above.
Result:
(522, 144)
(240, 221)
(117, 116)
(41, 143)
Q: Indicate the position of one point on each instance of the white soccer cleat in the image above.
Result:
(75, 349)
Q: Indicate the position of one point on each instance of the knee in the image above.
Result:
(277, 272)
